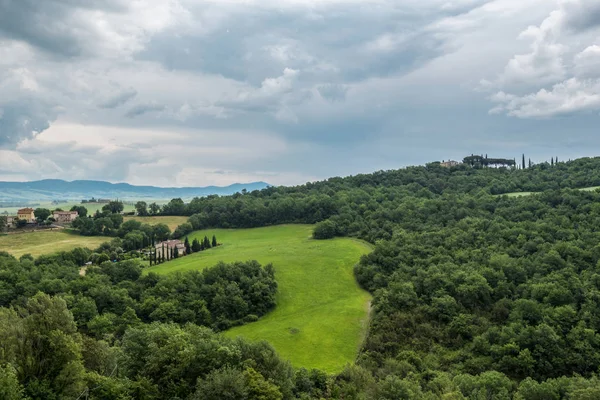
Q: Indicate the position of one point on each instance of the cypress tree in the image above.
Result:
(523, 161)
(163, 252)
(214, 241)
(175, 252)
(196, 246)
(530, 163)
(188, 248)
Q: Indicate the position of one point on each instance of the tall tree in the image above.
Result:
(214, 241)
(188, 248)
(196, 246)
(81, 211)
(523, 165)
(114, 207)
(42, 214)
(141, 207)
(154, 209)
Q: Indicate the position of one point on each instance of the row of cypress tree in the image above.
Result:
(172, 253)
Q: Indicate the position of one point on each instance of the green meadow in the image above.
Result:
(321, 315)
(171, 221)
(46, 242)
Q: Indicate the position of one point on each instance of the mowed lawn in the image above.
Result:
(321, 314)
(170, 221)
(46, 242)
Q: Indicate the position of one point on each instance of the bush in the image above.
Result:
(182, 230)
(325, 230)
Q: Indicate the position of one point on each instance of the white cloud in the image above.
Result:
(562, 66)
(564, 98)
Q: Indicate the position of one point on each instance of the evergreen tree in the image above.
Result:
(552, 162)
(163, 252)
(188, 248)
(530, 164)
(523, 166)
(214, 241)
(206, 243)
(175, 252)
(196, 246)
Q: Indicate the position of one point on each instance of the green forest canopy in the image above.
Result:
(474, 296)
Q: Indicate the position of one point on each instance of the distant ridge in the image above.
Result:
(57, 189)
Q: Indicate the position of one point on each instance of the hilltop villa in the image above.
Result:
(168, 245)
(449, 163)
(26, 214)
(64, 217)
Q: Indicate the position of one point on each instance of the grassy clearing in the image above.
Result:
(519, 194)
(46, 242)
(321, 314)
(172, 222)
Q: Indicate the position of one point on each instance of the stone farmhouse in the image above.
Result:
(64, 217)
(11, 221)
(168, 245)
(449, 163)
(26, 214)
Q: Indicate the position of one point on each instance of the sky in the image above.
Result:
(214, 92)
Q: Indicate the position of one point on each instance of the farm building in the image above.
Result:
(26, 214)
(449, 163)
(65, 217)
(168, 245)
(11, 220)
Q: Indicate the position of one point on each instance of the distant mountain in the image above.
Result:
(56, 189)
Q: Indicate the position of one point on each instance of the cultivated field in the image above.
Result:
(321, 314)
(91, 207)
(172, 222)
(46, 242)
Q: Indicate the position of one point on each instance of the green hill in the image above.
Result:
(321, 314)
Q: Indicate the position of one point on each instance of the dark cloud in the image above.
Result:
(254, 43)
(119, 99)
(53, 25)
(142, 109)
(22, 120)
(582, 15)
(333, 92)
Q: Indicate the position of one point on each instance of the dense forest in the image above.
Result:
(475, 296)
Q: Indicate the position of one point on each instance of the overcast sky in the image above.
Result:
(200, 92)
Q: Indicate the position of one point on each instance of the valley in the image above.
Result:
(321, 314)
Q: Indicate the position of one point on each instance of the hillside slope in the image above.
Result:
(321, 313)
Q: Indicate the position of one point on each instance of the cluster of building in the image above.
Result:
(449, 163)
(169, 246)
(28, 215)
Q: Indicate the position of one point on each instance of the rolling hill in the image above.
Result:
(53, 189)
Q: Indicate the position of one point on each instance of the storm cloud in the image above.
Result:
(190, 92)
